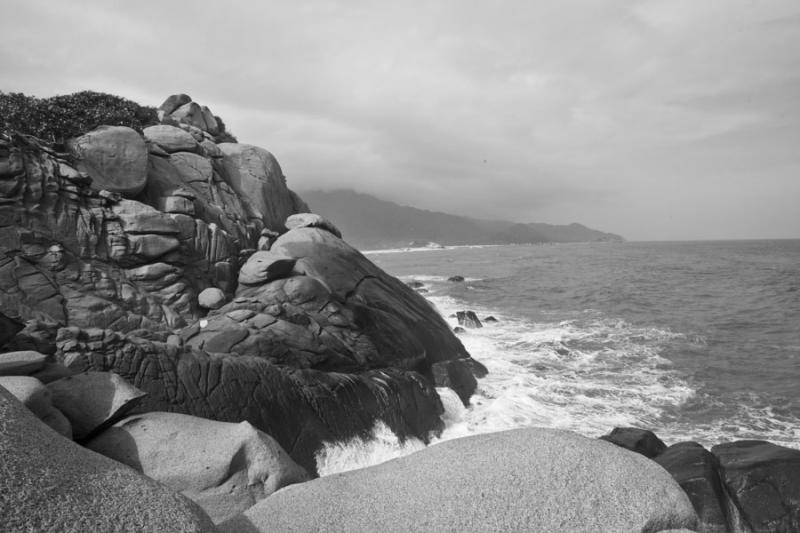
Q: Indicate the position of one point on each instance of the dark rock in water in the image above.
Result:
(8, 328)
(468, 319)
(456, 374)
(414, 284)
(456, 278)
(422, 291)
(478, 369)
(636, 440)
(459, 329)
(764, 482)
(490, 319)
(698, 473)
(50, 483)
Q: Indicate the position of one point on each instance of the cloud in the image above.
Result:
(579, 109)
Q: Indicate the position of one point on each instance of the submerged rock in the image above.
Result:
(520, 480)
(223, 467)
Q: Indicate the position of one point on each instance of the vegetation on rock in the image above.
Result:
(60, 117)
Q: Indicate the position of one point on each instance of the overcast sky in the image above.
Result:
(654, 119)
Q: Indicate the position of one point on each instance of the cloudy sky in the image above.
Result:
(655, 119)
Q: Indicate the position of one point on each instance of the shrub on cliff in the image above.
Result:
(57, 118)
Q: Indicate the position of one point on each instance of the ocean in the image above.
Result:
(693, 340)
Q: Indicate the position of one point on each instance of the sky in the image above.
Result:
(653, 119)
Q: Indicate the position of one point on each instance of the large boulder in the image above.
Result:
(257, 178)
(36, 397)
(520, 480)
(311, 220)
(171, 139)
(697, 472)
(764, 482)
(93, 400)
(21, 363)
(115, 157)
(225, 468)
(264, 266)
(51, 484)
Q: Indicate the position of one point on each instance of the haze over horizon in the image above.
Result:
(652, 119)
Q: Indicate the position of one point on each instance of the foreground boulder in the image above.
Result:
(225, 468)
(51, 484)
(520, 480)
(115, 157)
(21, 363)
(93, 400)
(764, 482)
(697, 472)
(37, 398)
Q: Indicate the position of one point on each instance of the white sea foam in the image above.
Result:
(587, 375)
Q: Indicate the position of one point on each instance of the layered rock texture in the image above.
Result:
(183, 263)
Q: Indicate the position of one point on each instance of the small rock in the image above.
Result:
(459, 329)
(93, 400)
(468, 319)
(456, 279)
(455, 374)
(311, 220)
(265, 266)
(636, 440)
(414, 284)
(490, 319)
(211, 298)
(21, 363)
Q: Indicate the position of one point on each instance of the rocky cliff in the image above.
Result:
(165, 256)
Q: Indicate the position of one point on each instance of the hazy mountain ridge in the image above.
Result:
(368, 222)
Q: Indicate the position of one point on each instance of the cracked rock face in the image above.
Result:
(298, 333)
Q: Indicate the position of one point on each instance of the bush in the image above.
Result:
(61, 117)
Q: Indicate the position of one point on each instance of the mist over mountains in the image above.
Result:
(368, 222)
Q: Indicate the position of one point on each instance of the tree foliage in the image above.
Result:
(58, 118)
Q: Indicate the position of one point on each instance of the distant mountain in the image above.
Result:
(368, 222)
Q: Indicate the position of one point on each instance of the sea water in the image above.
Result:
(694, 340)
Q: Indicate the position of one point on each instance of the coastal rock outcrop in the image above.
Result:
(225, 468)
(50, 483)
(520, 480)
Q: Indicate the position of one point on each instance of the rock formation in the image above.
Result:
(164, 257)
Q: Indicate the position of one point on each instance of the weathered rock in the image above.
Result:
(114, 156)
(93, 400)
(171, 139)
(455, 374)
(265, 266)
(211, 298)
(636, 440)
(257, 178)
(468, 319)
(311, 220)
(137, 218)
(764, 482)
(36, 397)
(8, 328)
(173, 102)
(223, 467)
(21, 363)
(697, 472)
(52, 484)
(522, 480)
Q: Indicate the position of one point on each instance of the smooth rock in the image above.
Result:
(51, 484)
(21, 363)
(36, 397)
(211, 298)
(763, 480)
(311, 220)
(264, 266)
(173, 102)
(521, 480)
(170, 138)
(223, 467)
(93, 400)
(114, 156)
(637, 440)
(697, 472)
